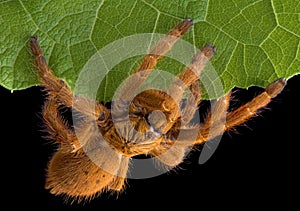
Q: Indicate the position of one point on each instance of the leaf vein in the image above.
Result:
(96, 16)
(289, 31)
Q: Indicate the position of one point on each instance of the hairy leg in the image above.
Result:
(165, 45)
(58, 89)
(191, 104)
(234, 118)
(57, 127)
(151, 59)
(245, 112)
(171, 152)
(216, 118)
(190, 75)
(188, 78)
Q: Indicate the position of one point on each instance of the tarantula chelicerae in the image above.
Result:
(72, 173)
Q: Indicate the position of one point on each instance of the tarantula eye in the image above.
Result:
(101, 117)
(163, 143)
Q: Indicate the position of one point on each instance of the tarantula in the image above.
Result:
(72, 173)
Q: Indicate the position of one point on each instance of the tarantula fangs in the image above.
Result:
(155, 123)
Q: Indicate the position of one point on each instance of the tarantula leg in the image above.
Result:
(196, 91)
(163, 46)
(58, 88)
(191, 104)
(57, 127)
(248, 110)
(216, 118)
(192, 72)
(235, 117)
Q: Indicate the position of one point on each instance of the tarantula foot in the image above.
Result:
(185, 25)
(208, 50)
(35, 46)
(276, 87)
(33, 39)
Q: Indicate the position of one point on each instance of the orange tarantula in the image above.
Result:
(71, 171)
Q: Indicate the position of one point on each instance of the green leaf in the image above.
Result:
(257, 41)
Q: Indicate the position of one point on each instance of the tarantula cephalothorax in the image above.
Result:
(72, 173)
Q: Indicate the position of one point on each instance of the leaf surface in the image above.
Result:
(257, 41)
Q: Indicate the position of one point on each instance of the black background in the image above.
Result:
(254, 167)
